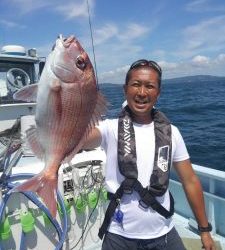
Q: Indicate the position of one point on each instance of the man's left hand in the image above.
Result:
(207, 241)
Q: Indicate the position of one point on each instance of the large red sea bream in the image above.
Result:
(68, 106)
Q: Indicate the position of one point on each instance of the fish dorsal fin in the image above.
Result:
(100, 110)
(27, 93)
(32, 138)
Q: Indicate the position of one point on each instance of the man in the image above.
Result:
(140, 146)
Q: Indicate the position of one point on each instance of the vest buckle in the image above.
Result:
(128, 185)
(147, 200)
(143, 204)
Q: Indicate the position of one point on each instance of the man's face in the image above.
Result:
(141, 92)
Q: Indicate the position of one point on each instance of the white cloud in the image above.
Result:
(159, 53)
(204, 6)
(105, 33)
(206, 36)
(127, 33)
(114, 76)
(27, 6)
(195, 66)
(220, 58)
(167, 65)
(200, 60)
(133, 31)
(74, 9)
(71, 9)
(115, 55)
(11, 24)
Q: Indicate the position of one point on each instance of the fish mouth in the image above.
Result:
(66, 41)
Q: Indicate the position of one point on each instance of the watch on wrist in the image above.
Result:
(205, 229)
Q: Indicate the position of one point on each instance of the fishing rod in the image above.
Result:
(92, 42)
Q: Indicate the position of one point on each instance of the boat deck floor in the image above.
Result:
(191, 239)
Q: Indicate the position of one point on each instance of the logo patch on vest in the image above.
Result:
(163, 158)
(126, 137)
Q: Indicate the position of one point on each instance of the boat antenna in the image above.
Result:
(92, 43)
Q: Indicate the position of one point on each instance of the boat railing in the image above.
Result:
(213, 183)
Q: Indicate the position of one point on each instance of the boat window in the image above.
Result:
(14, 75)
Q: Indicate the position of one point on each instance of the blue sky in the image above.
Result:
(186, 37)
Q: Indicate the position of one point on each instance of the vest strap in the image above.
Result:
(114, 202)
(147, 200)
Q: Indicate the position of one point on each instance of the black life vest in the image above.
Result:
(159, 179)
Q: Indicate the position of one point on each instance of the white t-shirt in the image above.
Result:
(138, 222)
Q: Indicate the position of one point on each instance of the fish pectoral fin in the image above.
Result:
(32, 138)
(27, 93)
(45, 187)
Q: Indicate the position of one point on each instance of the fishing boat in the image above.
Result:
(82, 199)
(18, 68)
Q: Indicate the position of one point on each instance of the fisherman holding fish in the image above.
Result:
(141, 146)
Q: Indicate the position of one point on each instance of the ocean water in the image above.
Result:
(196, 108)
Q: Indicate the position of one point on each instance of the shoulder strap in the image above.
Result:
(126, 146)
(163, 149)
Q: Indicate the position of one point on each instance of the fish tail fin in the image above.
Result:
(45, 187)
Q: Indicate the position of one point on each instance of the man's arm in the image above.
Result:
(194, 194)
(93, 140)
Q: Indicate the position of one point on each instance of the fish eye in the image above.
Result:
(80, 63)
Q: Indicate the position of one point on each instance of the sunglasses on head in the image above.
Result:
(144, 62)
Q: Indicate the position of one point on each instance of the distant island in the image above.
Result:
(196, 78)
(189, 79)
